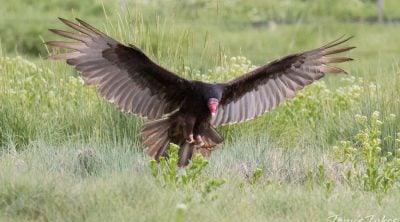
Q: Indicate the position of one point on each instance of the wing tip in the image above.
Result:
(79, 20)
(336, 51)
(64, 20)
(342, 39)
(56, 31)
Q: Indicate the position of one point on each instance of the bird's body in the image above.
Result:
(189, 127)
(181, 111)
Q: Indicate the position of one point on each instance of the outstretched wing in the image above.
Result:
(262, 89)
(124, 75)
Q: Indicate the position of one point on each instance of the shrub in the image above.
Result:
(367, 166)
(168, 174)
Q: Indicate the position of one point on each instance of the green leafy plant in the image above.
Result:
(320, 178)
(256, 176)
(251, 177)
(169, 174)
(368, 167)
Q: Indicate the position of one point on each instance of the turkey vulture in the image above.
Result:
(182, 111)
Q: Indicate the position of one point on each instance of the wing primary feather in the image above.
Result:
(331, 69)
(336, 51)
(337, 42)
(334, 59)
(78, 28)
(89, 62)
(91, 28)
(65, 56)
(69, 45)
(71, 35)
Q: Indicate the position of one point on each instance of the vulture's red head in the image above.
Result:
(213, 105)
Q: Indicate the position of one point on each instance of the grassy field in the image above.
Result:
(330, 154)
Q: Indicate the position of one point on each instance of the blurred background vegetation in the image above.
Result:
(24, 22)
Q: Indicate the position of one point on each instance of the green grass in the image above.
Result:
(43, 183)
(67, 155)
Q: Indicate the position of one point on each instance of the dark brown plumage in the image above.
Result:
(182, 111)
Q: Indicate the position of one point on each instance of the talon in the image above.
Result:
(200, 140)
(191, 139)
(210, 148)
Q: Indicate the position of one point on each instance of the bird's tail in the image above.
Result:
(156, 136)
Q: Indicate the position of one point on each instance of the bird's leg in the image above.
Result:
(198, 130)
(191, 139)
(190, 122)
(199, 140)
